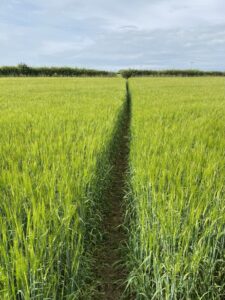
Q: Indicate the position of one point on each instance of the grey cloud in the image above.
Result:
(114, 34)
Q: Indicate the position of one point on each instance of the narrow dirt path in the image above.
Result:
(110, 270)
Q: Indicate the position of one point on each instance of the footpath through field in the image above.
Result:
(109, 258)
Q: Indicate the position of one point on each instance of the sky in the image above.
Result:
(114, 34)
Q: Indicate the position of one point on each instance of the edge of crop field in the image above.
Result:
(129, 210)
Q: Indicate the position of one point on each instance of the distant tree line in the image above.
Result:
(24, 70)
(183, 73)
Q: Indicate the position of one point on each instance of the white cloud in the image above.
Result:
(57, 47)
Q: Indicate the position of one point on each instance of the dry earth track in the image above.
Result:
(109, 257)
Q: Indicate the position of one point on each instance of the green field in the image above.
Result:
(55, 136)
(57, 140)
(177, 162)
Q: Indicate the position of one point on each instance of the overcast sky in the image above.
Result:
(114, 34)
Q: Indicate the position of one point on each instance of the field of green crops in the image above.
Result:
(177, 188)
(54, 146)
(57, 137)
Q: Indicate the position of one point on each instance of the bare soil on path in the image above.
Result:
(109, 257)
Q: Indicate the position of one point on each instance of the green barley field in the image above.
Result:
(57, 140)
(177, 188)
(54, 146)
